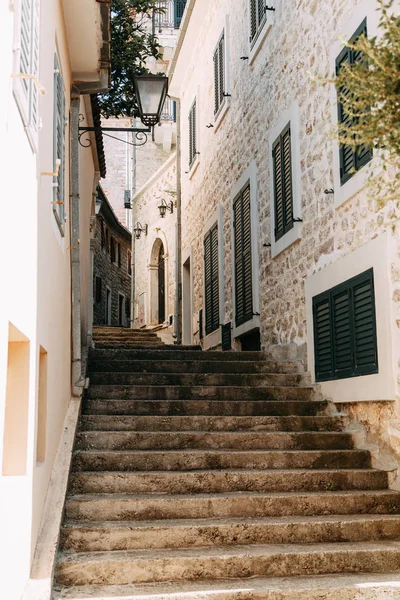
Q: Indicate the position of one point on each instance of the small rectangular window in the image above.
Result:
(345, 341)
(283, 183)
(129, 262)
(192, 134)
(242, 257)
(98, 289)
(211, 276)
(112, 250)
(219, 74)
(258, 18)
(352, 158)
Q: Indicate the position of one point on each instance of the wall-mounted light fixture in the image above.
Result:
(138, 229)
(150, 92)
(164, 206)
(127, 199)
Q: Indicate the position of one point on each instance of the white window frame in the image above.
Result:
(250, 175)
(263, 30)
(26, 89)
(292, 116)
(379, 255)
(348, 25)
(226, 103)
(214, 338)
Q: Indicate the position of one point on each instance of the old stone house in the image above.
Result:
(54, 56)
(282, 247)
(112, 267)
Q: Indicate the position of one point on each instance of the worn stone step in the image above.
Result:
(175, 353)
(141, 507)
(242, 440)
(126, 337)
(199, 379)
(359, 586)
(191, 564)
(193, 460)
(210, 423)
(178, 392)
(78, 536)
(193, 366)
(126, 344)
(201, 482)
(183, 407)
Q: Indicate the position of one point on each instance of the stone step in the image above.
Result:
(204, 407)
(192, 366)
(202, 482)
(194, 460)
(359, 586)
(130, 507)
(78, 536)
(178, 392)
(191, 564)
(122, 344)
(199, 379)
(242, 440)
(175, 353)
(204, 423)
(127, 337)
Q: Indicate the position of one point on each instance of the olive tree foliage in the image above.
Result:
(132, 44)
(369, 91)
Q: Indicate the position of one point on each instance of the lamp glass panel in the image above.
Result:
(150, 91)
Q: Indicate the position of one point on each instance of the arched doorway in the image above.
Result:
(161, 285)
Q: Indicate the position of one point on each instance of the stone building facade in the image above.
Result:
(155, 252)
(268, 97)
(112, 267)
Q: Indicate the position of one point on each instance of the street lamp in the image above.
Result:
(164, 206)
(150, 92)
(139, 229)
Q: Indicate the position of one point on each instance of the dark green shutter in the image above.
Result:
(219, 74)
(345, 340)
(243, 261)
(192, 134)
(179, 9)
(59, 141)
(98, 289)
(216, 81)
(253, 19)
(351, 158)
(283, 183)
(211, 274)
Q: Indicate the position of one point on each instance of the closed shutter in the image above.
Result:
(211, 275)
(59, 142)
(253, 19)
(192, 134)
(243, 261)
(345, 330)
(351, 158)
(98, 289)
(34, 69)
(26, 44)
(283, 183)
(219, 74)
(179, 9)
(257, 19)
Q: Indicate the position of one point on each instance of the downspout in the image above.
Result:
(77, 378)
(96, 181)
(133, 219)
(178, 237)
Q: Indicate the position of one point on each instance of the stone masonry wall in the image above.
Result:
(116, 278)
(297, 44)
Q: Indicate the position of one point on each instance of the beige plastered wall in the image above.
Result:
(35, 288)
(338, 229)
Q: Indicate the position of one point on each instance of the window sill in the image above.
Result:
(212, 339)
(254, 323)
(194, 167)
(220, 116)
(291, 237)
(355, 184)
(260, 40)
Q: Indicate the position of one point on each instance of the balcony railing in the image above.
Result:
(170, 14)
(168, 114)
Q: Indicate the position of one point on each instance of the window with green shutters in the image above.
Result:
(242, 257)
(345, 341)
(258, 18)
(283, 183)
(59, 124)
(192, 134)
(219, 75)
(352, 158)
(211, 276)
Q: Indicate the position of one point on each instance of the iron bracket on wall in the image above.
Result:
(140, 134)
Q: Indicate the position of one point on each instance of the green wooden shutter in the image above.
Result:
(216, 81)
(283, 183)
(243, 260)
(219, 74)
(211, 274)
(261, 13)
(98, 289)
(253, 19)
(345, 341)
(59, 141)
(192, 134)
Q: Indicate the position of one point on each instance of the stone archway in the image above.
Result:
(158, 282)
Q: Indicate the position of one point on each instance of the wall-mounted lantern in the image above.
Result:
(150, 92)
(164, 206)
(139, 229)
(127, 199)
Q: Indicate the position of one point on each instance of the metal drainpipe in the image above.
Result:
(133, 219)
(178, 237)
(78, 380)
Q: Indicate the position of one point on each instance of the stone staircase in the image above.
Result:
(218, 476)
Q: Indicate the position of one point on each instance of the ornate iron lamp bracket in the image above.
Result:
(140, 134)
